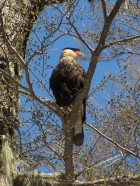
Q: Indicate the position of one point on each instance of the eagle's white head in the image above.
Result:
(70, 54)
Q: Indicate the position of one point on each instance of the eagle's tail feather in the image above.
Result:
(78, 139)
(78, 134)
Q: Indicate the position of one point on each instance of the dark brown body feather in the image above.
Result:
(66, 81)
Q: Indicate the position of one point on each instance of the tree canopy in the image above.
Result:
(108, 33)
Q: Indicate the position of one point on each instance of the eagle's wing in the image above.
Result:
(66, 82)
(59, 85)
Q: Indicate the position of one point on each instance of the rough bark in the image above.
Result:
(16, 21)
(68, 154)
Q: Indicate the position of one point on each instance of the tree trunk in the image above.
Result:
(68, 154)
(12, 23)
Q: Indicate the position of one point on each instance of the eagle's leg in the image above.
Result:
(66, 109)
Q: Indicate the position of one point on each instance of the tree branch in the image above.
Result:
(95, 55)
(107, 25)
(115, 9)
(98, 163)
(13, 88)
(114, 142)
(104, 9)
(79, 35)
(122, 41)
(13, 80)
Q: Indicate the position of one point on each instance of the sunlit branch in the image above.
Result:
(42, 84)
(96, 164)
(51, 105)
(112, 141)
(122, 41)
(79, 35)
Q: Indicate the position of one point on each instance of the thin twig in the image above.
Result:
(32, 56)
(122, 41)
(13, 80)
(13, 88)
(79, 35)
(112, 141)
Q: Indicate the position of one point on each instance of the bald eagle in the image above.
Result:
(66, 81)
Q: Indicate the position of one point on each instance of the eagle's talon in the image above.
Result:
(69, 109)
(66, 110)
(64, 82)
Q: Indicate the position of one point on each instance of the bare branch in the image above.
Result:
(104, 9)
(42, 84)
(122, 41)
(13, 88)
(33, 55)
(98, 163)
(115, 9)
(107, 25)
(112, 141)
(79, 35)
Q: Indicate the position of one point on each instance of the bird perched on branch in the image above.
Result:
(66, 81)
